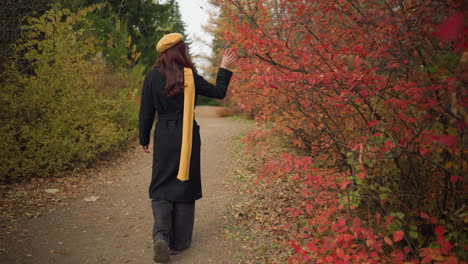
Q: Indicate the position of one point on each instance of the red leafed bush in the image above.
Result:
(372, 92)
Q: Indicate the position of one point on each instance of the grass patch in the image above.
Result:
(253, 217)
(243, 119)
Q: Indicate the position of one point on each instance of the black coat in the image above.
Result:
(168, 135)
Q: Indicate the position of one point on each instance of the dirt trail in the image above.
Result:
(116, 228)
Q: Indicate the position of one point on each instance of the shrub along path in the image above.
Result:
(110, 221)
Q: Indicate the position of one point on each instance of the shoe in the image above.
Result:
(161, 252)
(174, 251)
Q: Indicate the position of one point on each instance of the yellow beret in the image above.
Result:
(168, 41)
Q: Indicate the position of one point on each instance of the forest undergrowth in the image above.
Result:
(258, 214)
(285, 200)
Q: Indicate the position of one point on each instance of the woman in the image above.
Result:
(175, 183)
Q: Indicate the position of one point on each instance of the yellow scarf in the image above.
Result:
(187, 125)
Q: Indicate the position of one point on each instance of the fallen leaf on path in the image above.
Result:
(61, 251)
(64, 251)
(51, 190)
(91, 198)
(33, 215)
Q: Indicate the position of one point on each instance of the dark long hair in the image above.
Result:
(170, 64)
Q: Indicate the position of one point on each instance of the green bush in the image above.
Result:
(61, 104)
(203, 100)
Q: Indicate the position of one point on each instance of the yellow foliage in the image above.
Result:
(61, 105)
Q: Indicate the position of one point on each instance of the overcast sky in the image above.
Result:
(195, 15)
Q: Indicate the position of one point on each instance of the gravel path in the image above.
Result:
(116, 228)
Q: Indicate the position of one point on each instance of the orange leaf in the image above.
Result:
(388, 241)
(424, 215)
(398, 235)
(340, 252)
(369, 242)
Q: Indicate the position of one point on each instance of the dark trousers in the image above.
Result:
(173, 222)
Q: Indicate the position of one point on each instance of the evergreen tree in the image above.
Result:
(139, 22)
(11, 20)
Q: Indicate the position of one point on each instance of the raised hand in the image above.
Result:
(229, 57)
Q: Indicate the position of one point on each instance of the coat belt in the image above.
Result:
(171, 116)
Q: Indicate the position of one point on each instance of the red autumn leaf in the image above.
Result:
(398, 235)
(273, 86)
(398, 255)
(448, 140)
(312, 247)
(451, 28)
(340, 252)
(372, 123)
(424, 215)
(439, 230)
(322, 228)
(455, 178)
(344, 184)
(341, 222)
(362, 175)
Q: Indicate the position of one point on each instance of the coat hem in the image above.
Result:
(155, 197)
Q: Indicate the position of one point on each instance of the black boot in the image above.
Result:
(162, 226)
(183, 214)
(161, 252)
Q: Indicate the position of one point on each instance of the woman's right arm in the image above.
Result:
(229, 57)
(222, 79)
(217, 91)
